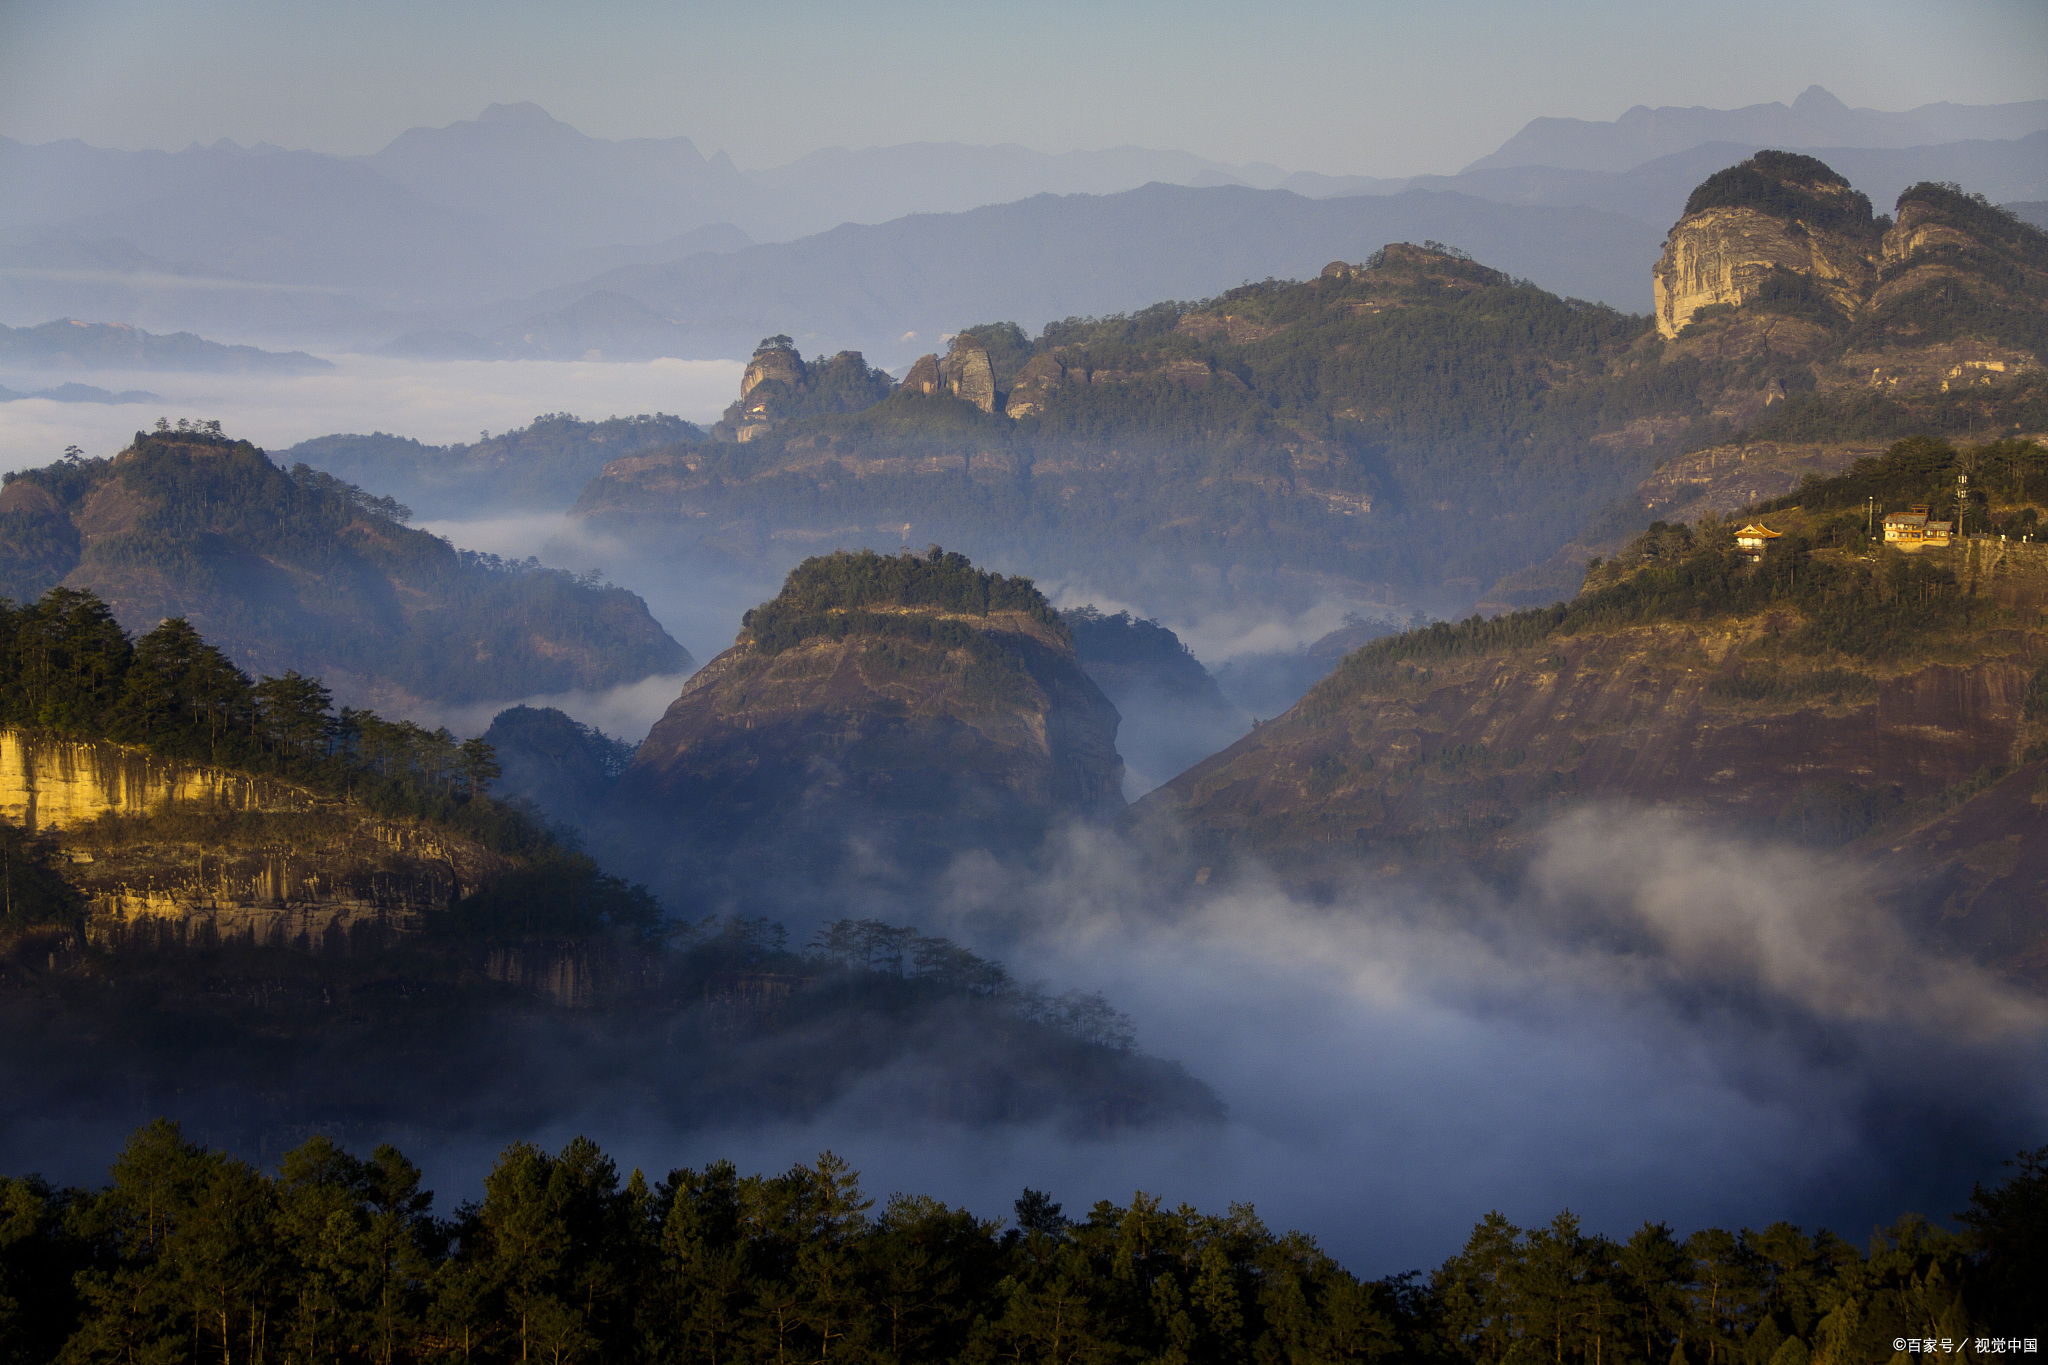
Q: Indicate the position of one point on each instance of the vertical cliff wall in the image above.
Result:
(49, 784)
(196, 855)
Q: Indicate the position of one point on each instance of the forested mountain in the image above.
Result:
(226, 899)
(298, 569)
(1171, 712)
(1794, 690)
(1411, 430)
(562, 1259)
(880, 716)
(538, 467)
(565, 768)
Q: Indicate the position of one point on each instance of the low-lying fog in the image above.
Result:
(437, 402)
(703, 612)
(1661, 1024)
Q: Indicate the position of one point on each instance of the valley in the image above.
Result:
(1545, 710)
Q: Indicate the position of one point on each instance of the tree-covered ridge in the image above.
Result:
(1420, 419)
(68, 669)
(539, 466)
(298, 566)
(833, 595)
(1975, 271)
(1787, 185)
(843, 383)
(188, 1253)
(1874, 609)
(1122, 639)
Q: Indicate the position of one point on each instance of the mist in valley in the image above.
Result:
(1657, 1022)
(990, 887)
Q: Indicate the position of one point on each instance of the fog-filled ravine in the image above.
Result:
(1125, 760)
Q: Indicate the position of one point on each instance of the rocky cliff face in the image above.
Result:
(780, 363)
(885, 740)
(968, 375)
(964, 371)
(169, 852)
(1751, 225)
(1952, 292)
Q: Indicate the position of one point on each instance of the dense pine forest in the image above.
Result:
(187, 1254)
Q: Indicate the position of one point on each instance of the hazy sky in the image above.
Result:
(1372, 88)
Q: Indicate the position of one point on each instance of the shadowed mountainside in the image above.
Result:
(877, 718)
(298, 569)
(1828, 688)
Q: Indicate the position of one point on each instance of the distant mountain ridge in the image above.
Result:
(1395, 434)
(891, 289)
(460, 241)
(68, 344)
(1815, 119)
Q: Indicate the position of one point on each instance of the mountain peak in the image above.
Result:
(1815, 100)
(525, 112)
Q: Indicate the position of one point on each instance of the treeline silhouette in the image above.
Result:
(852, 592)
(187, 1254)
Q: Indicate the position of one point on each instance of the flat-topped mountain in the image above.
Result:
(541, 466)
(881, 715)
(1954, 282)
(295, 569)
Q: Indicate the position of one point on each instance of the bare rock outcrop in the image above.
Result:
(772, 363)
(1039, 377)
(165, 852)
(1750, 227)
(968, 374)
(925, 376)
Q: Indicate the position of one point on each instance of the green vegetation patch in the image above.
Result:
(1880, 608)
(1785, 185)
(1829, 686)
(833, 596)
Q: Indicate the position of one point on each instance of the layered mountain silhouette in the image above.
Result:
(447, 242)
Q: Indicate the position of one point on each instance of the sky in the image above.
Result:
(1342, 88)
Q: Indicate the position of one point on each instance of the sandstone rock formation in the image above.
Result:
(170, 852)
(1041, 374)
(967, 373)
(1777, 214)
(880, 735)
(781, 363)
(924, 376)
